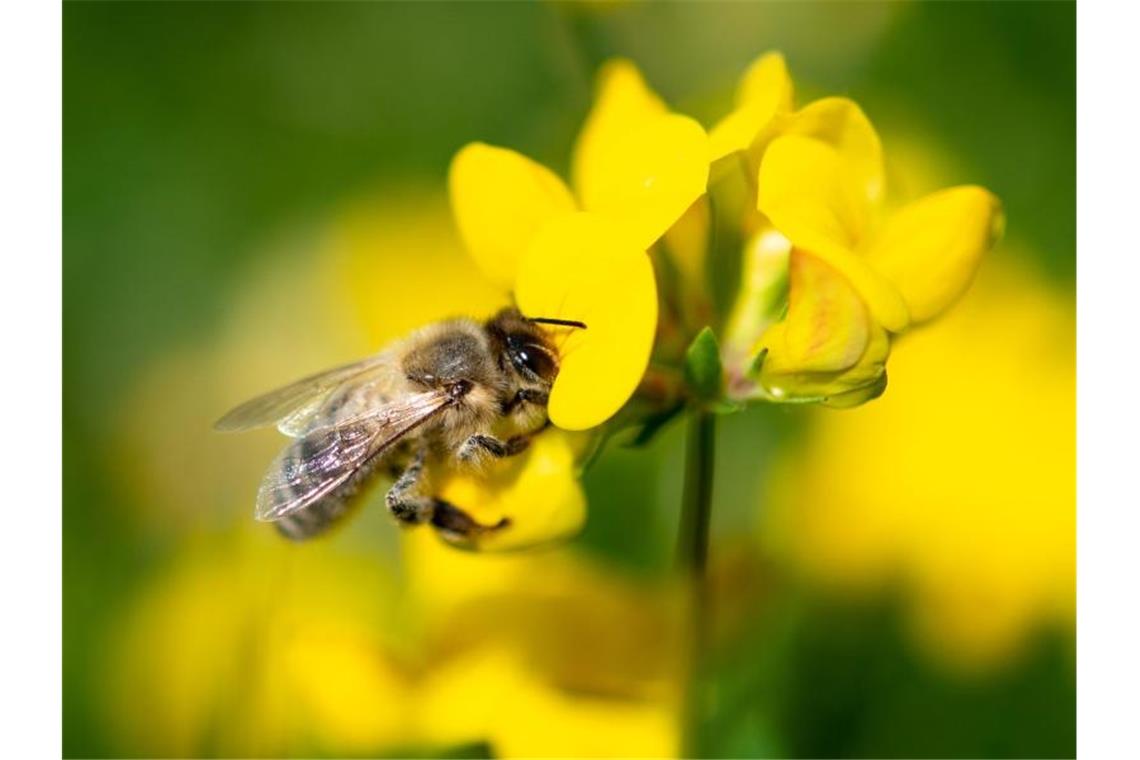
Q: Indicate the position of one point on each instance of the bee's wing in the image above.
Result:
(296, 402)
(313, 466)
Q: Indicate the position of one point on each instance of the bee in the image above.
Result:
(454, 394)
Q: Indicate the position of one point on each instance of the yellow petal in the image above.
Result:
(851, 387)
(500, 198)
(636, 162)
(841, 123)
(765, 90)
(586, 267)
(622, 98)
(810, 195)
(538, 491)
(687, 242)
(805, 192)
(827, 327)
(827, 348)
(931, 248)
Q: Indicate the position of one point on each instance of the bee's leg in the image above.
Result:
(457, 525)
(404, 500)
(481, 444)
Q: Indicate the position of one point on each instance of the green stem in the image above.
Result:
(696, 499)
(692, 555)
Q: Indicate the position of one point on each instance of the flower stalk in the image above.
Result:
(692, 556)
(696, 499)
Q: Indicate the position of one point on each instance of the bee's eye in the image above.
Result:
(535, 359)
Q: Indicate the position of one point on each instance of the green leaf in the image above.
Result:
(703, 370)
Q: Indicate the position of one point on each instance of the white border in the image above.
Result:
(1108, 382)
(30, 347)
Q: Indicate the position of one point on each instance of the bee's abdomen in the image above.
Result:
(321, 515)
(312, 520)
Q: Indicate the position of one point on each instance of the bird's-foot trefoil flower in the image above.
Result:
(854, 273)
(858, 276)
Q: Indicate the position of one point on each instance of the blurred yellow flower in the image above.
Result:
(551, 655)
(637, 168)
(256, 647)
(490, 696)
(253, 647)
(960, 484)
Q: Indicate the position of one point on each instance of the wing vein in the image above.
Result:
(313, 466)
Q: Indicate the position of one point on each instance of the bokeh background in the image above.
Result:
(255, 191)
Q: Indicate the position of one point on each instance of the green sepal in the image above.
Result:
(703, 371)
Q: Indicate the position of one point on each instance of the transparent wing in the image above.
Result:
(315, 465)
(296, 402)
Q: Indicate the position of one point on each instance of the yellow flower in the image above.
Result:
(856, 274)
(823, 350)
(581, 256)
(959, 484)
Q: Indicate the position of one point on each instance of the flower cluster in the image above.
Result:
(829, 276)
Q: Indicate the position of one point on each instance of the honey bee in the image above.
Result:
(451, 394)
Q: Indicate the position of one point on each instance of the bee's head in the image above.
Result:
(522, 345)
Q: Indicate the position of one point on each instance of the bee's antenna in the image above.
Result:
(560, 322)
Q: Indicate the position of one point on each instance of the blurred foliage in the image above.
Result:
(251, 191)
